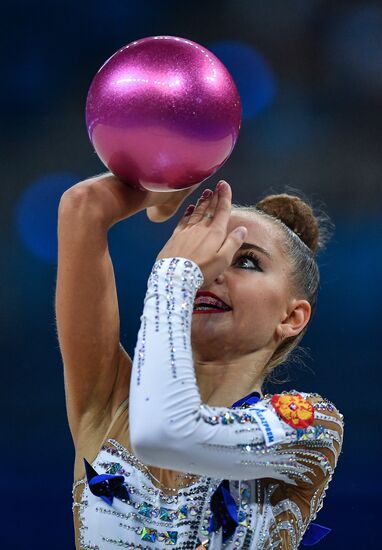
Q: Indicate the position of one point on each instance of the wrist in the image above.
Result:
(104, 197)
(183, 272)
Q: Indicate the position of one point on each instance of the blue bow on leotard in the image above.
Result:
(106, 486)
(224, 508)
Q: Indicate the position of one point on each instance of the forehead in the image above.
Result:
(261, 231)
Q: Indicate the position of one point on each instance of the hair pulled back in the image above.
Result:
(305, 231)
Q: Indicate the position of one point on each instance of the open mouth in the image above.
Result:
(207, 309)
(206, 302)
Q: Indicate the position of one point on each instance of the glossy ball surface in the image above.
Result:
(163, 113)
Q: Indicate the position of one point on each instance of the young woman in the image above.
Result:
(179, 447)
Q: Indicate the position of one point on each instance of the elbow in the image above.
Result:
(147, 442)
(160, 438)
(143, 451)
(153, 451)
(142, 448)
(154, 445)
(80, 202)
(71, 199)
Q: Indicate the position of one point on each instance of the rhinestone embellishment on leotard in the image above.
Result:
(192, 279)
(154, 519)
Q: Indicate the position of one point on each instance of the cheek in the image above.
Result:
(261, 307)
(273, 299)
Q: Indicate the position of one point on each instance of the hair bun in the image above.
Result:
(297, 214)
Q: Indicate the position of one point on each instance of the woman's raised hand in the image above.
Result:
(116, 201)
(204, 239)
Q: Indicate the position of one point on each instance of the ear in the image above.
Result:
(297, 318)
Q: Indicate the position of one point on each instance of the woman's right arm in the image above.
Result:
(96, 367)
(87, 315)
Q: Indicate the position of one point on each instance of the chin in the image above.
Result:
(205, 331)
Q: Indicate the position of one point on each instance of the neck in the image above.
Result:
(222, 384)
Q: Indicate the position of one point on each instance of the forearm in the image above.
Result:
(163, 347)
(86, 307)
(168, 422)
(169, 425)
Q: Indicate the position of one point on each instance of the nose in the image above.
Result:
(220, 278)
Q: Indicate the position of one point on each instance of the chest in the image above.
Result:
(148, 518)
(146, 514)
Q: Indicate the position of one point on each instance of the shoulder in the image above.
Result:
(301, 409)
(296, 397)
(317, 422)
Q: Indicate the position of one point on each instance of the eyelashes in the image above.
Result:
(251, 256)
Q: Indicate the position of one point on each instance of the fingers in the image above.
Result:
(184, 219)
(194, 212)
(212, 206)
(235, 239)
(208, 202)
(200, 208)
(232, 243)
(223, 206)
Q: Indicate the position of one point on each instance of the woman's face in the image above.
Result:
(257, 289)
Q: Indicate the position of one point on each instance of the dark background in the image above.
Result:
(309, 73)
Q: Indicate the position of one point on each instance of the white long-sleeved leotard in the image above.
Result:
(277, 471)
(170, 427)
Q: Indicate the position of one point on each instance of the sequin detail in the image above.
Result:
(192, 278)
(270, 514)
(226, 417)
(141, 351)
(257, 529)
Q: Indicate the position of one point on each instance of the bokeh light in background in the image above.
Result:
(309, 73)
(251, 72)
(289, 127)
(36, 214)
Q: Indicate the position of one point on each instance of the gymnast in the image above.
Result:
(179, 446)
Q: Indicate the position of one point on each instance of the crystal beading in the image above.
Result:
(179, 517)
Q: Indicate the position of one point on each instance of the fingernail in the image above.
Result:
(189, 209)
(221, 185)
(207, 193)
(241, 232)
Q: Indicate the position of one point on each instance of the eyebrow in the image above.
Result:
(244, 246)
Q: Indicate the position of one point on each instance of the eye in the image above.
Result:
(251, 256)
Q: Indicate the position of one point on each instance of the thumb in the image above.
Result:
(239, 233)
(233, 242)
(168, 204)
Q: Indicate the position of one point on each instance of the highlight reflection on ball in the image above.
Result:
(163, 113)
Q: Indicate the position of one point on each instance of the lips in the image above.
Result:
(207, 302)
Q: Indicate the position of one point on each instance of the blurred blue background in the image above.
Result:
(309, 73)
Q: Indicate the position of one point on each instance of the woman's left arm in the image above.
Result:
(171, 428)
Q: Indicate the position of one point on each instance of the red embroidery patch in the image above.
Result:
(294, 409)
